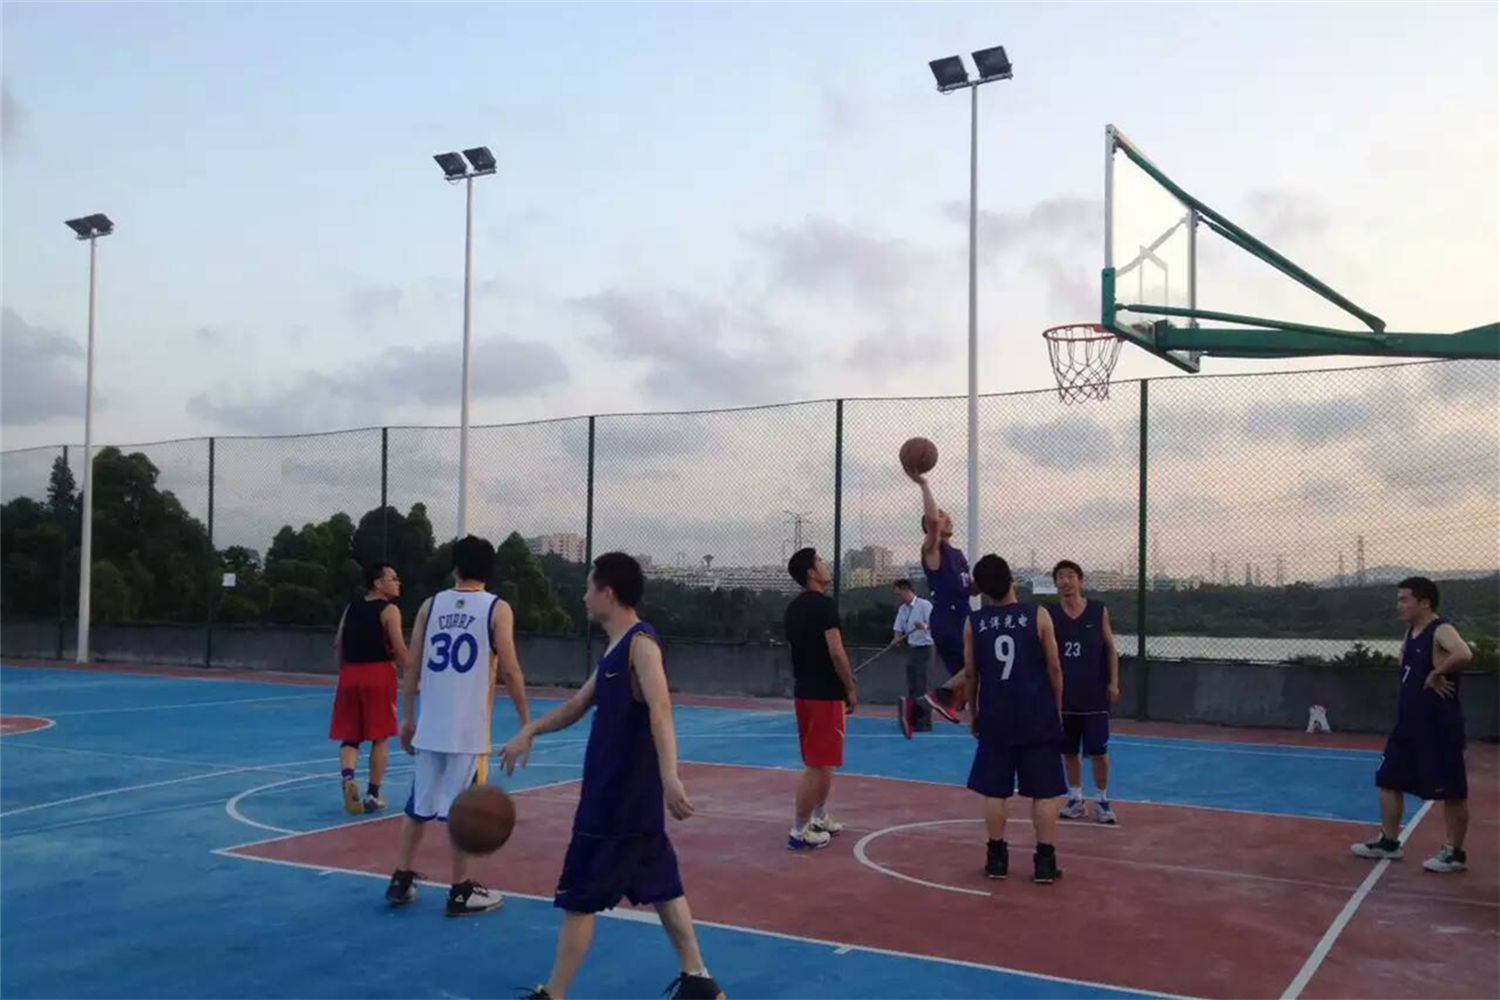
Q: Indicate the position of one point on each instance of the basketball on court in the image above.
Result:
(481, 819)
(918, 456)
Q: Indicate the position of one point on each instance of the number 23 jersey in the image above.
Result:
(455, 682)
(1016, 702)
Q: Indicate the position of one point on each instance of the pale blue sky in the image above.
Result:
(695, 205)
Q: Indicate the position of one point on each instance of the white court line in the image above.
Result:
(649, 917)
(948, 784)
(324, 695)
(291, 834)
(1310, 967)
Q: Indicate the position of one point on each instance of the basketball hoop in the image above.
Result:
(1083, 357)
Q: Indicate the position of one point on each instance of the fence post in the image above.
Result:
(588, 550)
(385, 519)
(1143, 665)
(838, 498)
(62, 568)
(215, 590)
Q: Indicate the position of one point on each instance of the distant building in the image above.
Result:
(564, 544)
(877, 561)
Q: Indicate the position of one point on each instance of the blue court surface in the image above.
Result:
(116, 879)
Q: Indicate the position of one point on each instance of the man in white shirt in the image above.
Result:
(914, 628)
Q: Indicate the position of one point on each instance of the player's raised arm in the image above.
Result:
(1048, 636)
(932, 525)
(503, 627)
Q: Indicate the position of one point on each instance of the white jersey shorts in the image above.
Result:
(437, 781)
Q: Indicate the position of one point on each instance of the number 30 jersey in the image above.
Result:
(1016, 703)
(454, 716)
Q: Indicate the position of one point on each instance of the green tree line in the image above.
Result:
(153, 563)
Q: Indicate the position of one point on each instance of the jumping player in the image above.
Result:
(1424, 755)
(1015, 686)
(948, 580)
(368, 644)
(1091, 683)
(620, 847)
(825, 691)
(460, 635)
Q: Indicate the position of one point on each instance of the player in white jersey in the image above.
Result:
(459, 638)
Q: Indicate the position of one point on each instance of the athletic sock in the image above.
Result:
(1103, 795)
(348, 773)
(699, 973)
(373, 790)
(1074, 794)
(1045, 849)
(821, 812)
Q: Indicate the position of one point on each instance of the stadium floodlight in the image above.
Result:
(993, 64)
(455, 169)
(481, 159)
(88, 227)
(453, 165)
(951, 74)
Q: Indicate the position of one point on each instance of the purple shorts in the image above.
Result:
(1090, 730)
(1000, 769)
(600, 871)
(1431, 768)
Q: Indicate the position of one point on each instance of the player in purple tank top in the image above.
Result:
(620, 847)
(1424, 755)
(948, 579)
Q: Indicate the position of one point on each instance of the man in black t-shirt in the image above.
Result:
(824, 690)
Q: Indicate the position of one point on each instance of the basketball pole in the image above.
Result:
(974, 321)
(86, 538)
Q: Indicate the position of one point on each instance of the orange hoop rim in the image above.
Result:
(1079, 332)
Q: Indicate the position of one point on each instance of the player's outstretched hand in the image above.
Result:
(678, 803)
(408, 733)
(517, 751)
(1440, 684)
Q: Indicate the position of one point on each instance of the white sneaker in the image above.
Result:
(808, 840)
(826, 824)
(1073, 809)
(1449, 859)
(467, 898)
(1379, 849)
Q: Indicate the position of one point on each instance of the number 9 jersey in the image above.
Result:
(1016, 703)
(454, 715)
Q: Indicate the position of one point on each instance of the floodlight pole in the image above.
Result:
(973, 547)
(86, 549)
(463, 420)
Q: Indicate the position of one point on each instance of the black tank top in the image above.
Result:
(364, 636)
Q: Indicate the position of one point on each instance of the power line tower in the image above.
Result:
(1359, 560)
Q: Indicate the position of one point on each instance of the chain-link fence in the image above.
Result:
(1257, 517)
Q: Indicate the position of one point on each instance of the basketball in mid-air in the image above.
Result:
(481, 819)
(918, 456)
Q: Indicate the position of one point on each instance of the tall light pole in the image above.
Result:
(89, 227)
(481, 163)
(951, 75)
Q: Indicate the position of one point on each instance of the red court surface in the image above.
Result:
(1180, 900)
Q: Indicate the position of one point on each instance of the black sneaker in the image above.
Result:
(1382, 848)
(1044, 868)
(997, 859)
(540, 993)
(694, 988)
(402, 889)
(468, 898)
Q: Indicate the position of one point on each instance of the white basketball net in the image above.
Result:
(1083, 358)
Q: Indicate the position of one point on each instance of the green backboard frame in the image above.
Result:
(1150, 325)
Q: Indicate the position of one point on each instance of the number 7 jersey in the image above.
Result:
(1016, 702)
(454, 715)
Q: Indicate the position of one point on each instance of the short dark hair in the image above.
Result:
(1422, 589)
(902, 584)
(374, 571)
(1066, 564)
(800, 566)
(473, 558)
(620, 573)
(992, 576)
